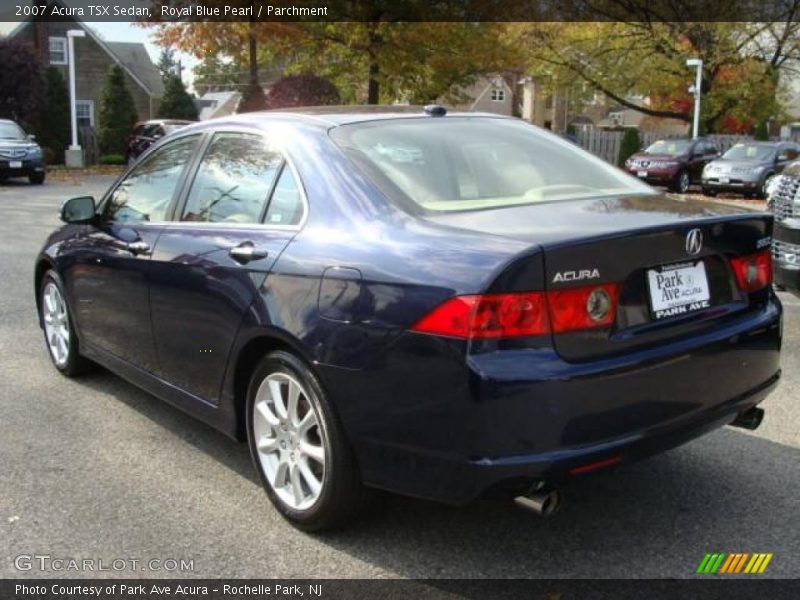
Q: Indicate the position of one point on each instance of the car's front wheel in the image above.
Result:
(682, 182)
(299, 449)
(59, 333)
(36, 178)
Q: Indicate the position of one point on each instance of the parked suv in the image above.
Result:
(784, 201)
(146, 133)
(20, 155)
(675, 163)
(748, 168)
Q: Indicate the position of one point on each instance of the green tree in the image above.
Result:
(53, 130)
(176, 103)
(167, 64)
(117, 113)
(21, 82)
(217, 73)
(630, 145)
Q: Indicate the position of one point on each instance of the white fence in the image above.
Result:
(606, 144)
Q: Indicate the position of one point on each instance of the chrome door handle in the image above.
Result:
(244, 253)
(137, 247)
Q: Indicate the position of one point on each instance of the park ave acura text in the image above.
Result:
(439, 305)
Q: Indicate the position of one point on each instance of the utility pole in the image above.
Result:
(698, 89)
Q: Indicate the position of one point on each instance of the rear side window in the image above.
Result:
(146, 193)
(286, 205)
(233, 181)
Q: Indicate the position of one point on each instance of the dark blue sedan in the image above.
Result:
(440, 305)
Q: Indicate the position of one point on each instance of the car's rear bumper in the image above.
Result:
(786, 254)
(519, 416)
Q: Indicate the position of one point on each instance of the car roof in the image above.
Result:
(333, 116)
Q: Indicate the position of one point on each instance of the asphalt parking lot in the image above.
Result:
(95, 468)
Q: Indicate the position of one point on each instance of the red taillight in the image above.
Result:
(583, 308)
(488, 316)
(754, 271)
(522, 314)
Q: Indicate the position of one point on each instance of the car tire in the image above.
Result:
(59, 331)
(36, 178)
(682, 182)
(299, 449)
(708, 192)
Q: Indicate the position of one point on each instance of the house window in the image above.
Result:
(58, 51)
(498, 94)
(84, 112)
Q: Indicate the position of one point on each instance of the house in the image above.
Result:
(217, 104)
(490, 94)
(93, 57)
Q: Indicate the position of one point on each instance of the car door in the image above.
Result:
(112, 257)
(240, 210)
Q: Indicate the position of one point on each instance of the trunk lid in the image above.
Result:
(630, 241)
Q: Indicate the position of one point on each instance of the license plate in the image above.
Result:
(15, 164)
(678, 289)
(724, 180)
(641, 173)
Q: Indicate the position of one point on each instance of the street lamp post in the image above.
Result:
(74, 154)
(698, 85)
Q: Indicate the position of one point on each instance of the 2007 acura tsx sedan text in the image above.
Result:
(440, 305)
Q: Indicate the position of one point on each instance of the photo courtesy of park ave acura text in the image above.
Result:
(441, 299)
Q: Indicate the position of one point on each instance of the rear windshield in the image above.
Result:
(455, 163)
(672, 147)
(757, 152)
(11, 131)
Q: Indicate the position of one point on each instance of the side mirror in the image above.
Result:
(782, 157)
(31, 137)
(78, 210)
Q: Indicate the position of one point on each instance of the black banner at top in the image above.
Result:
(402, 10)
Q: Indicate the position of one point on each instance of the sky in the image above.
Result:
(128, 32)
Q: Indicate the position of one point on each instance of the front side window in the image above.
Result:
(146, 193)
(233, 181)
(58, 50)
(475, 163)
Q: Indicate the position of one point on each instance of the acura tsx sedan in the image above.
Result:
(436, 304)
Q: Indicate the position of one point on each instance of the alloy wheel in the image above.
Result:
(56, 323)
(289, 440)
(683, 182)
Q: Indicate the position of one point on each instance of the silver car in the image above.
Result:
(748, 168)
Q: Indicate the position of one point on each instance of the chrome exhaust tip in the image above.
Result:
(749, 419)
(545, 502)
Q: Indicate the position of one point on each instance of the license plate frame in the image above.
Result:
(641, 174)
(725, 180)
(679, 289)
(15, 164)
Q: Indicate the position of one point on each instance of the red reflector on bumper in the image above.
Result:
(595, 465)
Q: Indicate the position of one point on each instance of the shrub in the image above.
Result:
(113, 159)
(302, 90)
(252, 99)
(117, 113)
(53, 130)
(629, 146)
(176, 103)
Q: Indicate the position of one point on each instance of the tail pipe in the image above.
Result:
(544, 501)
(749, 419)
